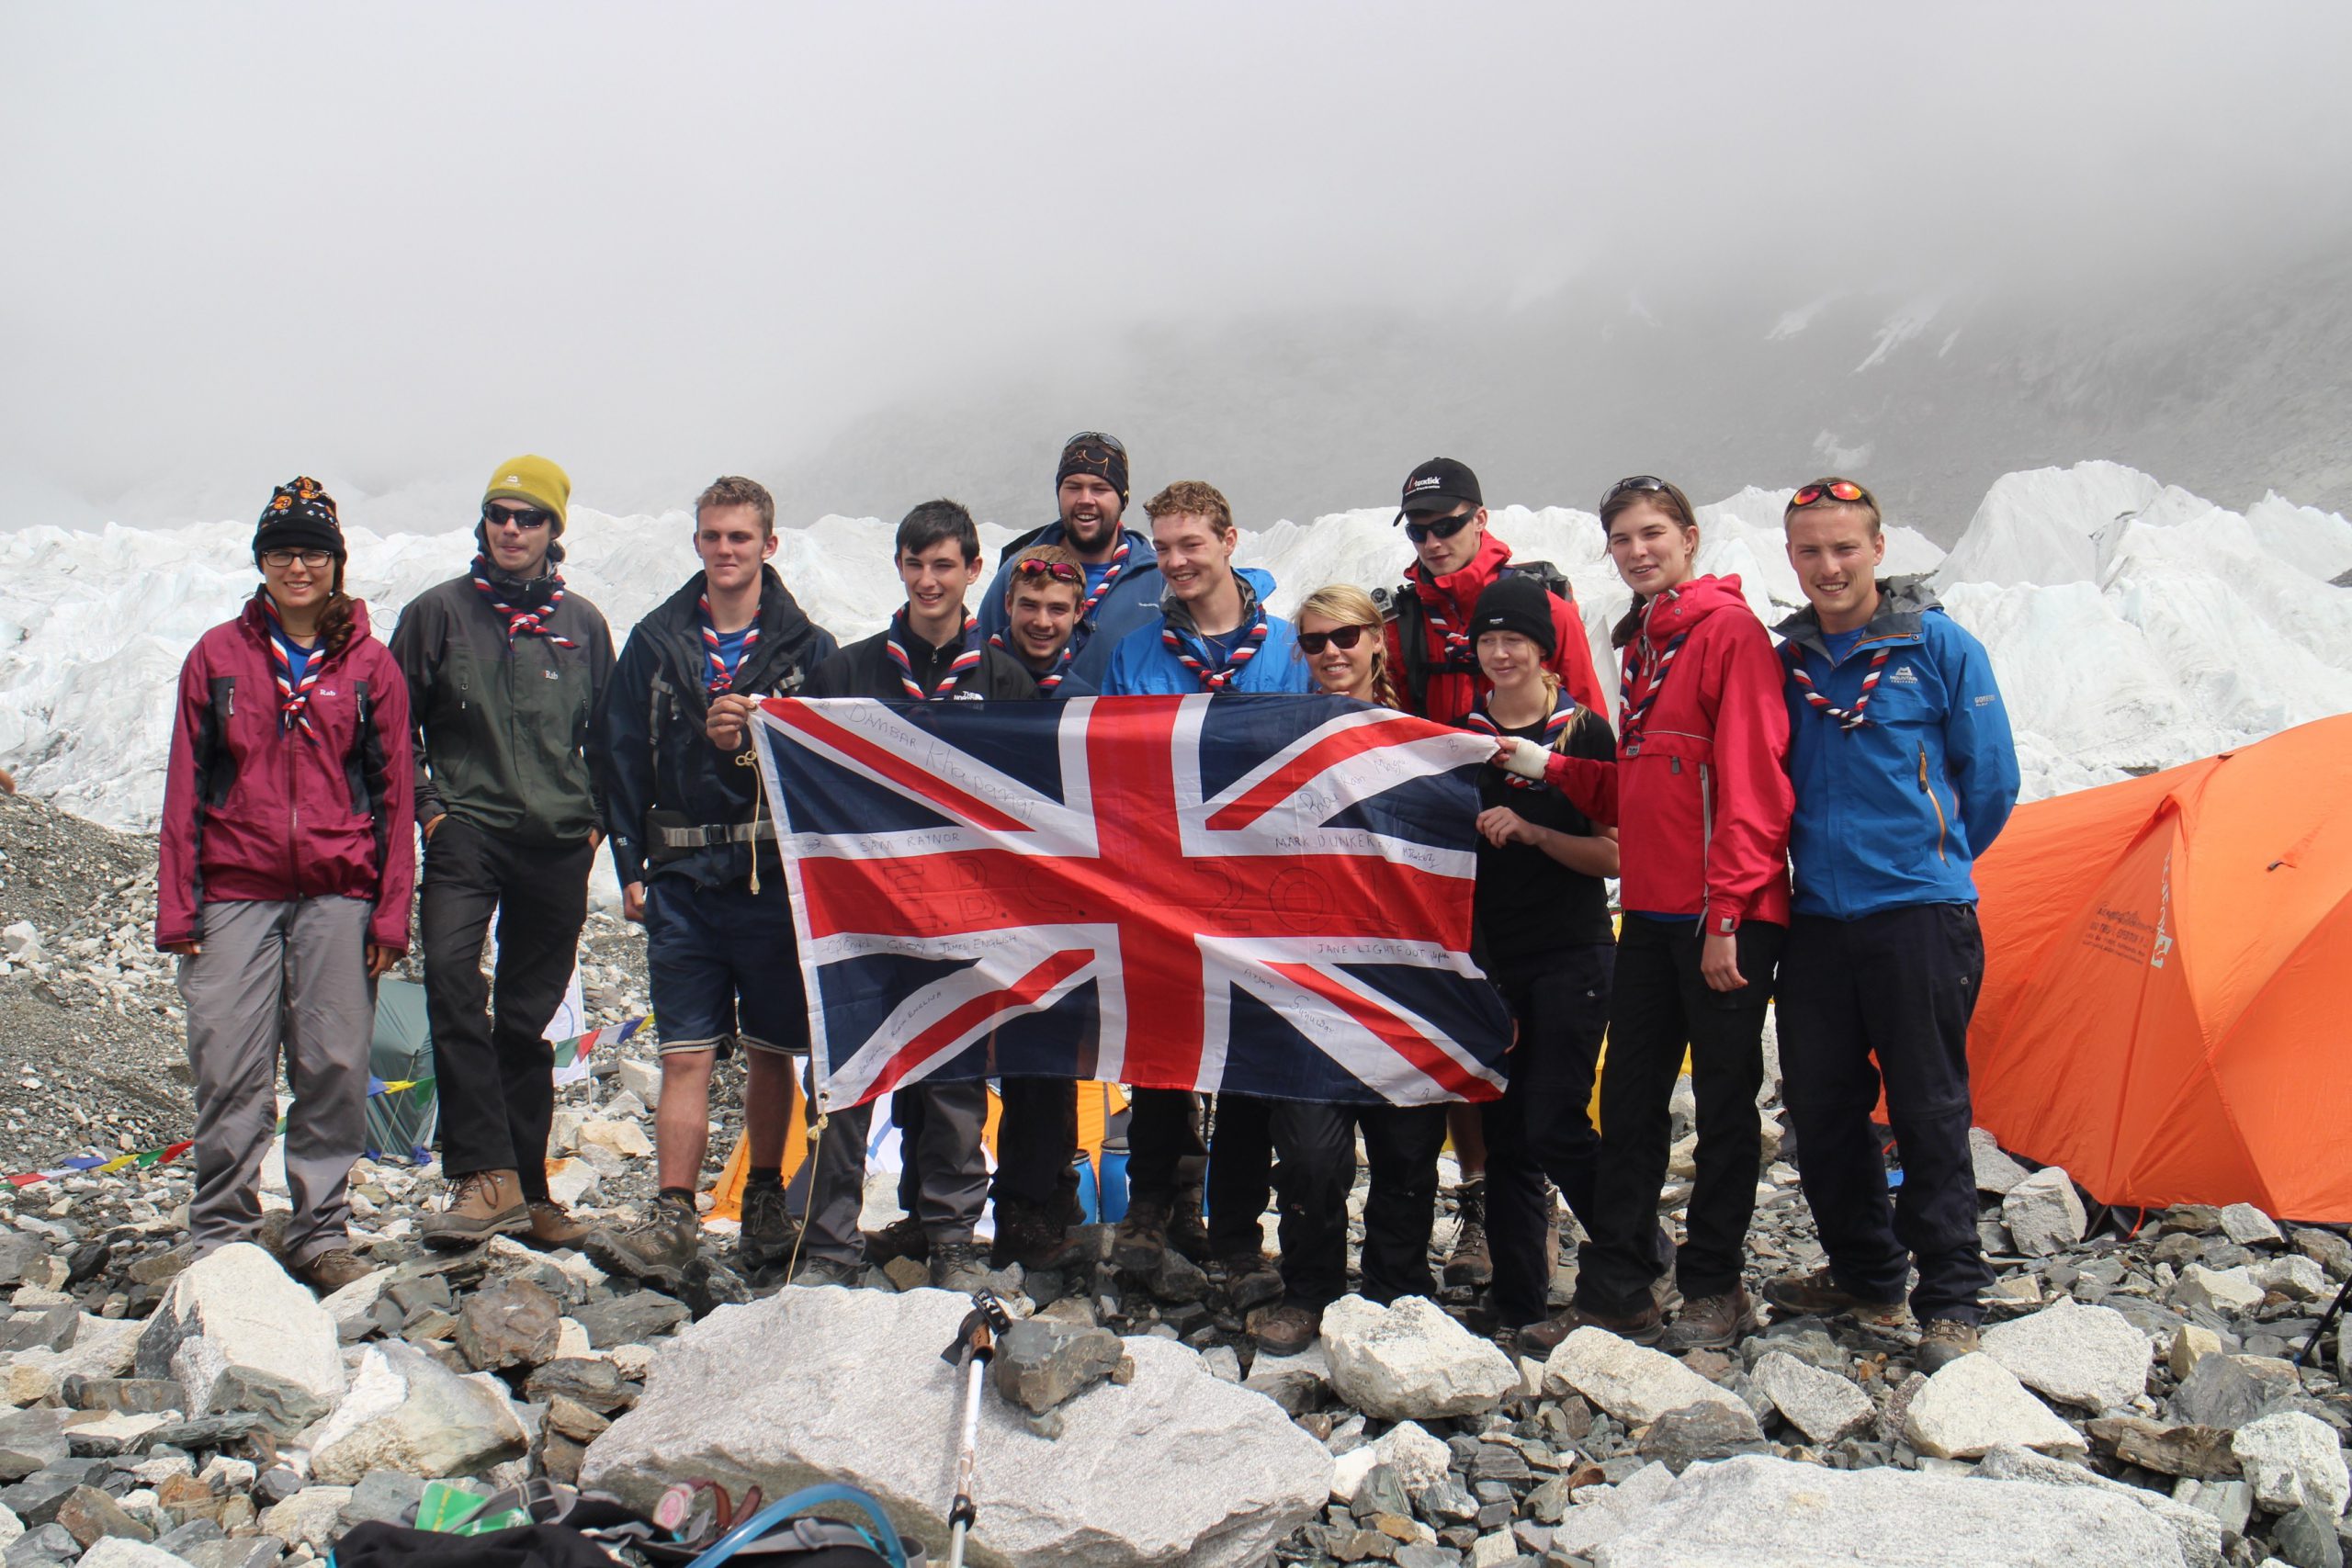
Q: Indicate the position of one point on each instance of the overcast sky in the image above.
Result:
(396, 243)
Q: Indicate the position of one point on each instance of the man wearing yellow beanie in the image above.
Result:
(504, 670)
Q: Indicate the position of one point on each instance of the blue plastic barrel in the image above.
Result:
(1089, 1207)
(1114, 1189)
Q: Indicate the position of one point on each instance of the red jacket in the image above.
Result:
(1451, 695)
(256, 812)
(1699, 792)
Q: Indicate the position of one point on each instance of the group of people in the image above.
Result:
(1794, 823)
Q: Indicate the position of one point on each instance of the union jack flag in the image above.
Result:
(1267, 895)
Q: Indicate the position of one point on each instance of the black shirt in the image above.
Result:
(867, 669)
(1528, 905)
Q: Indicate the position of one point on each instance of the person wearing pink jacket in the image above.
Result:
(288, 861)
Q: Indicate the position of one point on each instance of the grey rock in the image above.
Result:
(240, 1551)
(43, 1329)
(87, 1514)
(1604, 1512)
(2249, 1227)
(1755, 1511)
(1825, 1407)
(510, 1322)
(37, 1548)
(123, 1552)
(35, 1498)
(1382, 1491)
(30, 1440)
(1974, 1405)
(2043, 1213)
(387, 1495)
(127, 1396)
(1410, 1360)
(2196, 1532)
(2203, 1453)
(2290, 1459)
(631, 1320)
(2226, 1292)
(1679, 1439)
(1295, 1383)
(312, 1517)
(591, 1382)
(2086, 1356)
(874, 1407)
(19, 1252)
(238, 1334)
(194, 1533)
(2295, 1277)
(1996, 1171)
(2327, 1249)
(1178, 1277)
(2307, 1539)
(206, 1431)
(408, 1412)
(2229, 1391)
(1631, 1381)
(2231, 1502)
(1039, 1363)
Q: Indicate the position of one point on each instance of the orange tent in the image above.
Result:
(2169, 972)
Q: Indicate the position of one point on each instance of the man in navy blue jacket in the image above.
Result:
(1122, 587)
(1900, 752)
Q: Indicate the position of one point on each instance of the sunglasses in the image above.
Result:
(1059, 570)
(280, 559)
(1095, 438)
(524, 517)
(1835, 490)
(1313, 643)
(1636, 483)
(1444, 528)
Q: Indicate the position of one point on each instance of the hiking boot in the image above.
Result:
(1817, 1294)
(1027, 1235)
(902, 1238)
(1538, 1340)
(660, 1248)
(826, 1272)
(769, 1233)
(331, 1270)
(1470, 1264)
(955, 1265)
(1711, 1323)
(1284, 1330)
(1944, 1341)
(1142, 1238)
(482, 1203)
(1187, 1232)
(551, 1227)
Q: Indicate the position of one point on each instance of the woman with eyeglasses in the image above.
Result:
(284, 884)
(1700, 795)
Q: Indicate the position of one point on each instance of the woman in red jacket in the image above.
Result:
(288, 859)
(1700, 800)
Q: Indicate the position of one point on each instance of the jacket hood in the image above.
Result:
(1257, 587)
(1665, 615)
(255, 620)
(780, 617)
(1902, 601)
(1140, 555)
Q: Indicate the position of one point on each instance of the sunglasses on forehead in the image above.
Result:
(1836, 490)
(1314, 643)
(524, 517)
(1059, 570)
(1095, 438)
(1437, 528)
(1638, 482)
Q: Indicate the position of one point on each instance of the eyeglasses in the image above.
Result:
(1095, 438)
(280, 559)
(524, 517)
(1314, 643)
(1637, 482)
(1444, 528)
(1059, 570)
(1834, 489)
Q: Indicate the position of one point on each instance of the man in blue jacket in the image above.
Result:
(1122, 587)
(697, 864)
(1900, 753)
(1212, 632)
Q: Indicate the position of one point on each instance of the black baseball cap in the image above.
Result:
(1439, 485)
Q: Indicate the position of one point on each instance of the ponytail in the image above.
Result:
(335, 623)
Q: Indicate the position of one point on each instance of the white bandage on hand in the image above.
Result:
(1525, 760)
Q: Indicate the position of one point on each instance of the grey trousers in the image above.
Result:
(946, 1180)
(272, 977)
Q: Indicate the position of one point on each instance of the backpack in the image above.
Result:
(1402, 607)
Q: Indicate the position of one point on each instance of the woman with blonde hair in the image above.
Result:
(1348, 656)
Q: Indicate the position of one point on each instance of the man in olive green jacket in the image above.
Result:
(504, 669)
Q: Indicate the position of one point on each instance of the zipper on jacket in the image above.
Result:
(1706, 843)
(1929, 790)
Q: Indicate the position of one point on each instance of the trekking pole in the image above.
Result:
(973, 1349)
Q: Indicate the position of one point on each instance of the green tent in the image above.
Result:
(401, 1125)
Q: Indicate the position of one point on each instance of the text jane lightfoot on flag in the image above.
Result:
(1262, 895)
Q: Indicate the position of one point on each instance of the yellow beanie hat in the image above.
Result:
(535, 480)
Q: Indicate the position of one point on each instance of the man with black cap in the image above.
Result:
(504, 668)
(1122, 589)
(1431, 650)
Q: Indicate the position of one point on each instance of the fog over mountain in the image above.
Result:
(875, 254)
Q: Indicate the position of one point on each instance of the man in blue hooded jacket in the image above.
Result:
(1904, 768)
(1121, 588)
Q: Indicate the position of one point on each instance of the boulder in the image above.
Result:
(1822, 1405)
(1975, 1403)
(238, 1333)
(2197, 1532)
(509, 1323)
(1412, 1361)
(2229, 1391)
(2295, 1277)
(2044, 1213)
(2248, 1226)
(2228, 1291)
(1680, 1438)
(1756, 1511)
(407, 1411)
(2086, 1356)
(1996, 1171)
(1295, 1383)
(1632, 1382)
(1040, 1363)
(873, 1404)
(2292, 1461)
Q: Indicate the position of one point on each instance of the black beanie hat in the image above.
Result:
(300, 515)
(1516, 603)
(1092, 452)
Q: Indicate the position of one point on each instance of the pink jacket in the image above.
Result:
(253, 812)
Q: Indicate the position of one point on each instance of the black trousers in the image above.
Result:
(1660, 1006)
(1316, 1147)
(493, 1072)
(1542, 1127)
(1241, 1172)
(1899, 985)
(1163, 1143)
(1036, 1146)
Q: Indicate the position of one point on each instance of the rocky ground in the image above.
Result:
(2135, 1402)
